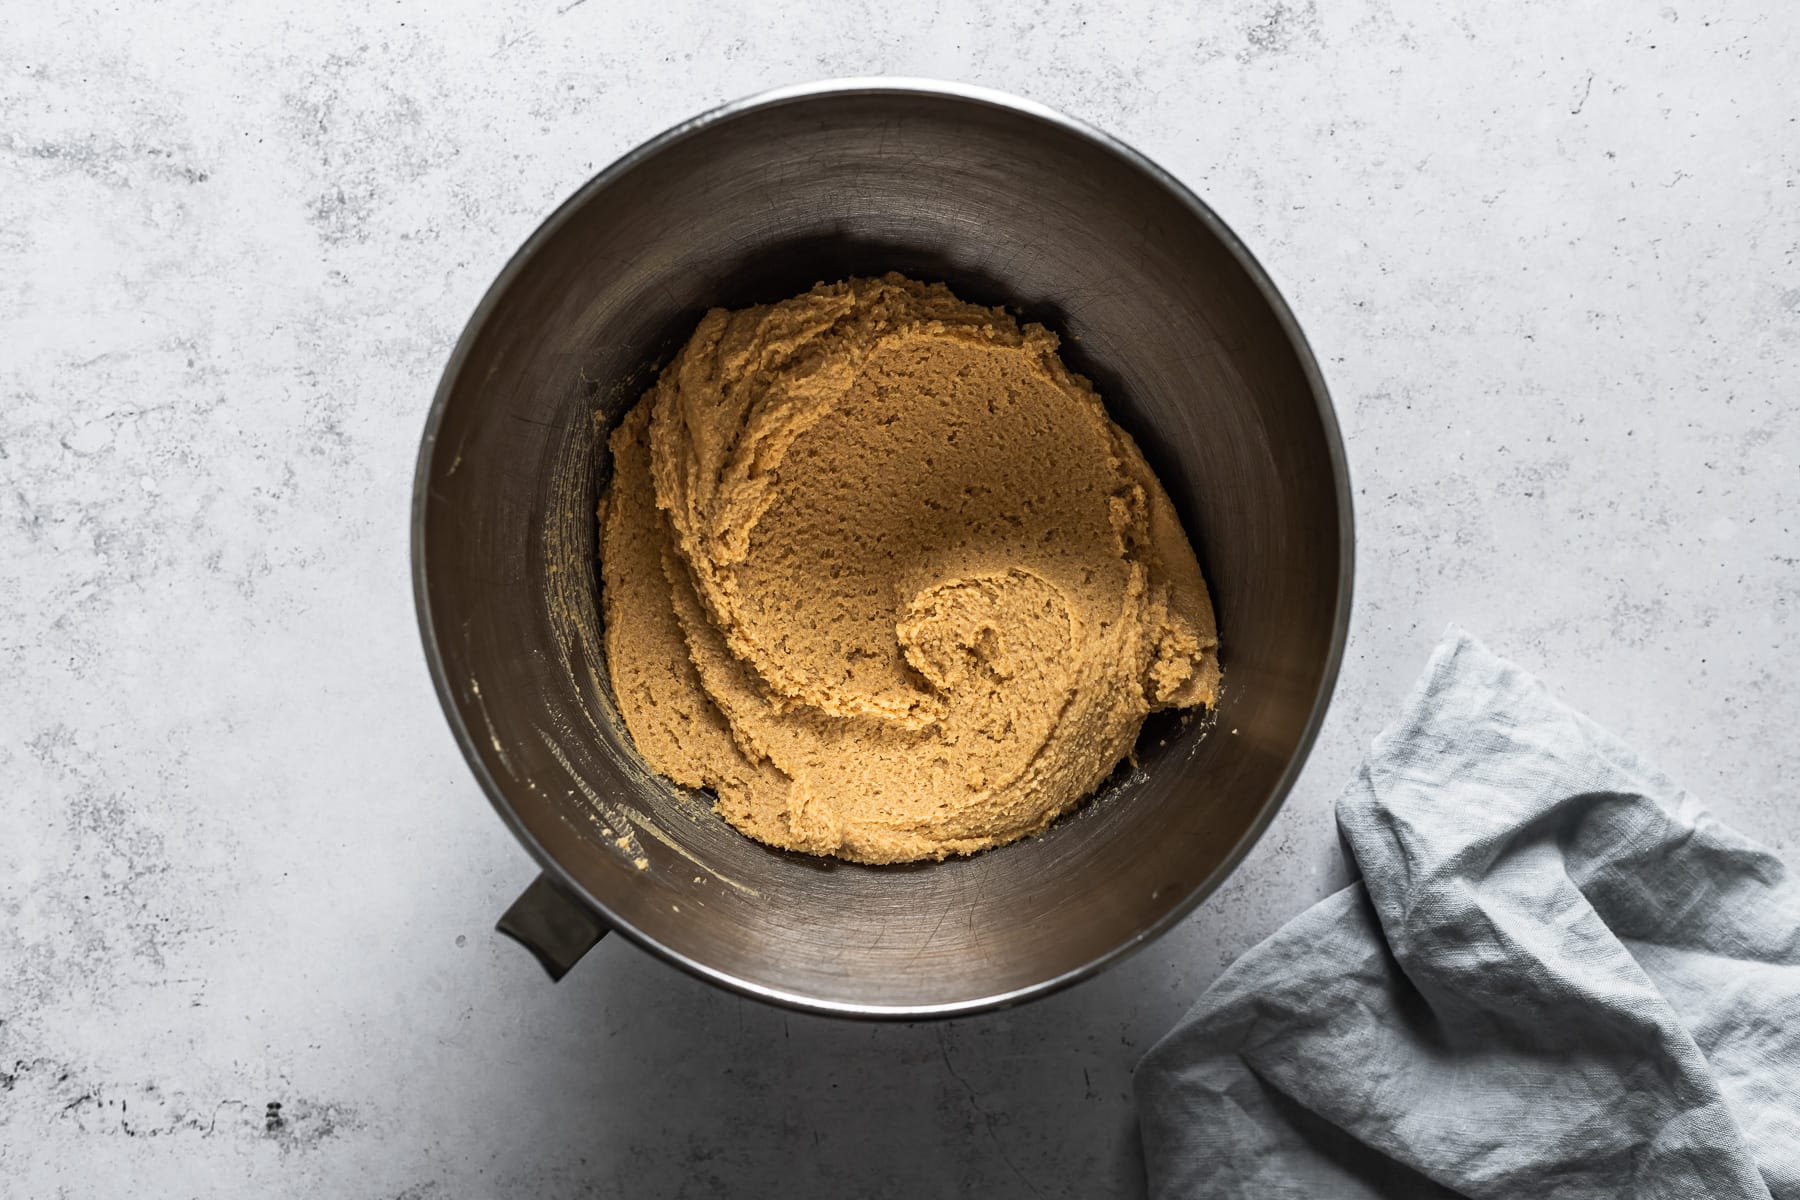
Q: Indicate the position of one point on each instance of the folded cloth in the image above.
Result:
(1557, 978)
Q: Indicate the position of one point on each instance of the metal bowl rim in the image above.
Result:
(987, 97)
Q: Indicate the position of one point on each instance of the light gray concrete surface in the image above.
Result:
(1548, 254)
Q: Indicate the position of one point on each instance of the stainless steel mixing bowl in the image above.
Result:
(1159, 304)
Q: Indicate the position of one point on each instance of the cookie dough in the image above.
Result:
(880, 572)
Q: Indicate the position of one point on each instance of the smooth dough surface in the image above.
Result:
(880, 572)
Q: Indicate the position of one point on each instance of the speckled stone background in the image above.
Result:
(1548, 254)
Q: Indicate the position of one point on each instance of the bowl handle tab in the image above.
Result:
(548, 920)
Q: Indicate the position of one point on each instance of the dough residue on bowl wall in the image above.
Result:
(882, 574)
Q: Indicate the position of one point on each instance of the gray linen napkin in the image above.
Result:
(1558, 977)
